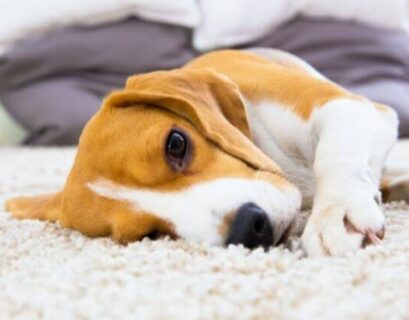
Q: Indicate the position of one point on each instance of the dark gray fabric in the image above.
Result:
(366, 60)
(53, 84)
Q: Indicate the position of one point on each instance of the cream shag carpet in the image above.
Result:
(51, 273)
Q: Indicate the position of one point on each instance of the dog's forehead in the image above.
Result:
(196, 96)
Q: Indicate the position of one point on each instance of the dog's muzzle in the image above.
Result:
(250, 227)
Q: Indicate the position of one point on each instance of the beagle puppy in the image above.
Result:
(226, 150)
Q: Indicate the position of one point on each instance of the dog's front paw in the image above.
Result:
(338, 228)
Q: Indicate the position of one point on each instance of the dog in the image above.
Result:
(227, 150)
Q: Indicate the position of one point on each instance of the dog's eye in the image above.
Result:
(176, 150)
(176, 145)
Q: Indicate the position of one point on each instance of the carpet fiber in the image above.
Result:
(53, 273)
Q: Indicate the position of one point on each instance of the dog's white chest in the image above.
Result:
(286, 139)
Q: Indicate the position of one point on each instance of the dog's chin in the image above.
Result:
(158, 235)
(285, 236)
(291, 236)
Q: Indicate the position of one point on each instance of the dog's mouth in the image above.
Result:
(160, 235)
(294, 230)
(284, 239)
(155, 235)
(286, 236)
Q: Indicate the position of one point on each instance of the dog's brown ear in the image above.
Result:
(201, 87)
(209, 100)
(41, 207)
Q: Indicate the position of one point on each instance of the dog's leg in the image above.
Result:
(353, 139)
(395, 175)
(41, 207)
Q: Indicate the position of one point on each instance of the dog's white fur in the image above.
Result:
(270, 125)
(198, 212)
(336, 158)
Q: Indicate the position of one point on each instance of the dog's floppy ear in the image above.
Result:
(42, 207)
(209, 100)
(202, 87)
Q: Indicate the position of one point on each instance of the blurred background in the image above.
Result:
(58, 58)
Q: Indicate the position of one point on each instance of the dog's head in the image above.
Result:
(171, 154)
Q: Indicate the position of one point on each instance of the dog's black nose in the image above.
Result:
(250, 227)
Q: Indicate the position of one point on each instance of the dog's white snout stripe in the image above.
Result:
(198, 211)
